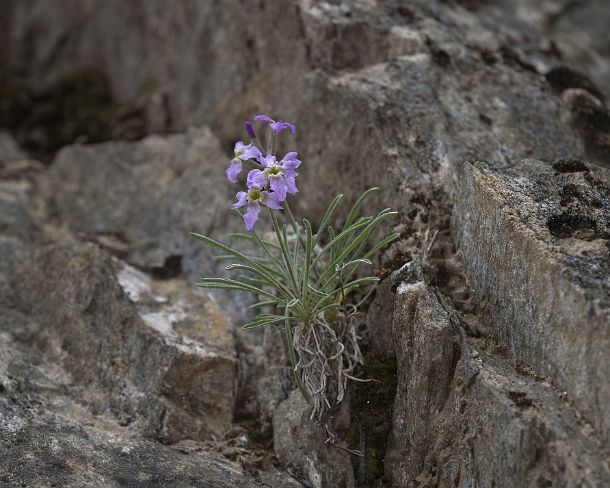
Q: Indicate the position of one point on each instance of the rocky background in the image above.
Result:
(484, 121)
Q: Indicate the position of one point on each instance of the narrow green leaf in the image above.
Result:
(326, 218)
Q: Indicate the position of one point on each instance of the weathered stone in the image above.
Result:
(432, 86)
(274, 380)
(48, 436)
(147, 195)
(9, 150)
(93, 354)
(392, 94)
(157, 191)
(426, 352)
(464, 418)
(300, 445)
(535, 243)
(168, 365)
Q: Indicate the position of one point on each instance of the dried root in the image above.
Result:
(328, 353)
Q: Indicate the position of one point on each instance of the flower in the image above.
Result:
(252, 199)
(278, 126)
(243, 152)
(280, 175)
(249, 129)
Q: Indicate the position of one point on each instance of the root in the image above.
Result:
(328, 355)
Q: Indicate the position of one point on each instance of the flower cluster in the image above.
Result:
(270, 181)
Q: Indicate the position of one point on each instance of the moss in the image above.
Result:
(255, 432)
(372, 416)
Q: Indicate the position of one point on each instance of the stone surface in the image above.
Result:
(463, 417)
(535, 243)
(155, 192)
(148, 366)
(50, 437)
(393, 94)
(300, 445)
(421, 88)
(99, 362)
(9, 149)
(166, 187)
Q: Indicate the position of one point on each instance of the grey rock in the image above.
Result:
(426, 86)
(141, 199)
(465, 418)
(392, 94)
(155, 192)
(49, 437)
(300, 445)
(535, 244)
(9, 149)
(169, 365)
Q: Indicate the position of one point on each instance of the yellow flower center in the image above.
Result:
(254, 194)
(274, 170)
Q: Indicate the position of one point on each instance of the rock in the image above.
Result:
(167, 363)
(425, 87)
(9, 149)
(49, 438)
(426, 352)
(300, 445)
(535, 243)
(465, 418)
(156, 192)
(391, 94)
(99, 362)
(274, 381)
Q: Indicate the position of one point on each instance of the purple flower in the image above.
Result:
(278, 126)
(243, 152)
(280, 175)
(250, 129)
(252, 199)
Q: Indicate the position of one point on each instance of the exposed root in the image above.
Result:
(328, 354)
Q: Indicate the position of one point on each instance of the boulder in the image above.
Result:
(142, 199)
(535, 244)
(304, 448)
(464, 417)
(166, 362)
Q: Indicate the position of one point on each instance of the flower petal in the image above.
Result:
(251, 152)
(290, 164)
(279, 187)
(256, 179)
(251, 215)
(267, 160)
(265, 118)
(233, 170)
(241, 199)
(250, 129)
(290, 183)
(281, 125)
(271, 200)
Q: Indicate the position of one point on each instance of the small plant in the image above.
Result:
(304, 277)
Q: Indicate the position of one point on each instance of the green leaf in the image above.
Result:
(227, 284)
(326, 218)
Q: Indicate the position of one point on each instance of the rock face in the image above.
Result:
(535, 242)
(103, 364)
(142, 199)
(463, 417)
(498, 323)
(303, 447)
